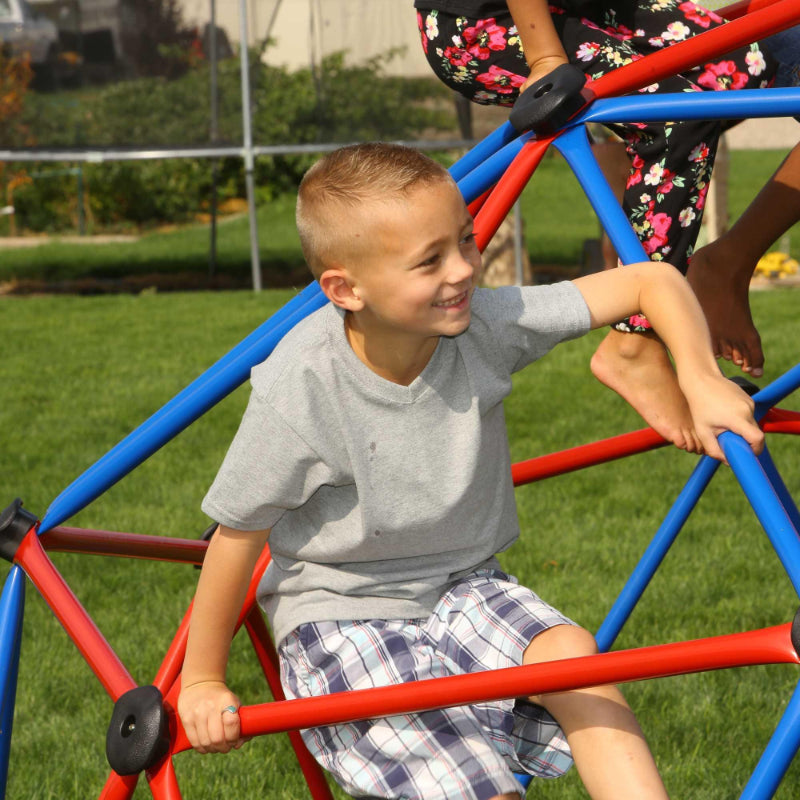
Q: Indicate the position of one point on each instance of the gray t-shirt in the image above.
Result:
(379, 496)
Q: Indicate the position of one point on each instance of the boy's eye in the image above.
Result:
(469, 238)
(429, 261)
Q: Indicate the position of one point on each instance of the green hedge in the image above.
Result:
(339, 103)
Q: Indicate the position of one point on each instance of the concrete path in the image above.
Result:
(770, 133)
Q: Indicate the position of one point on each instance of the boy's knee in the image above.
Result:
(562, 641)
(554, 644)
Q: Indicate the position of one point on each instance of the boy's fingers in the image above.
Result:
(750, 432)
(231, 725)
(191, 735)
(754, 436)
(712, 448)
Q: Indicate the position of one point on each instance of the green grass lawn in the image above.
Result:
(556, 214)
(79, 373)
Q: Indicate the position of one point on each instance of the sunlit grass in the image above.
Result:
(80, 373)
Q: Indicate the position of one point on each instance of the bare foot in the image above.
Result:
(637, 367)
(722, 287)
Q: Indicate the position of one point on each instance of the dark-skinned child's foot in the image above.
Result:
(721, 282)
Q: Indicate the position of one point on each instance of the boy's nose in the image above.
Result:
(461, 270)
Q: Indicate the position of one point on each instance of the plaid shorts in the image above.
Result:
(463, 753)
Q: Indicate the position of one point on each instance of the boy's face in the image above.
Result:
(419, 265)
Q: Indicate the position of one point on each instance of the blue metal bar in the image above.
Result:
(744, 103)
(774, 477)
(778, 754)
(574, 146)
(655, 552)
(486, 148)
(666, 534)
(776, 391)
(12, 606)
(523, 780)
(483, 177)
(214, 384)
(759, 491)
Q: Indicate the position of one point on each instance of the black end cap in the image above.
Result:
(14, 526)
(743, 383)
(138, 735)
(209, 532)
(796, 632)
(547, 105)
(206, 537)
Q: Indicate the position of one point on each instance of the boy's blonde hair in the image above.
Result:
(333, 192)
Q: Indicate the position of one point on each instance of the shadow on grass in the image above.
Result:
(51, 272)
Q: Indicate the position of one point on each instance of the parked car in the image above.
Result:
(23, 30)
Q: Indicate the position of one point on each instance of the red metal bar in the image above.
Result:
(691, 52)
(736, 10)
(163, 781)
(475, 206)
(265, 650)
(168, 678)
(764, 646)
(776, 420)
(586, 455)
(128, 545)
(781, 420)
(496, 206)
(170, 669)
(102, 660)
(768, 19)
(119, 787)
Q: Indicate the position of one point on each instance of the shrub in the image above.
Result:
(15, 78)
(341, 103)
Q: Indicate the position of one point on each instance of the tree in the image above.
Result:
(15, 78)
(156, 40)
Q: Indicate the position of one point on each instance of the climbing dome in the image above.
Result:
(144, 734)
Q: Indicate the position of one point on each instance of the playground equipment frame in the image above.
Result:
(146, 736)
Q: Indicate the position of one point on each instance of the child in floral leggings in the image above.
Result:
(479, 49)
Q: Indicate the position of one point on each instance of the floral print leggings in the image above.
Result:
(671, 163)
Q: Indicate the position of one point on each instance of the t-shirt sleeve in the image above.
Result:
(267, 470)
(527, 322)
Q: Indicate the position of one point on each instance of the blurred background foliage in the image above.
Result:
(338, 102)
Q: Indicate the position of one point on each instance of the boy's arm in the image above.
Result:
(540, 43)
(662, 294)
(224, 580)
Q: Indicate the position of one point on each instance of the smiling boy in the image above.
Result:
(373, 456)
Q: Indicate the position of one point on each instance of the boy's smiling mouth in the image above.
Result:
(453, 302)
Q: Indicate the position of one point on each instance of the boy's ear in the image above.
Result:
(339, 287)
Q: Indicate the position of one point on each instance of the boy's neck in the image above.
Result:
(397, 359)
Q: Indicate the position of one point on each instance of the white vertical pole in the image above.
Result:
(247, 130)
(518, 244)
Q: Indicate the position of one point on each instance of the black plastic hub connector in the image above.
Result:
(549, 103)
(796, 632)
(206, 537)
(14, 526)
(138, 736)
(743, 383)
(209, 532)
